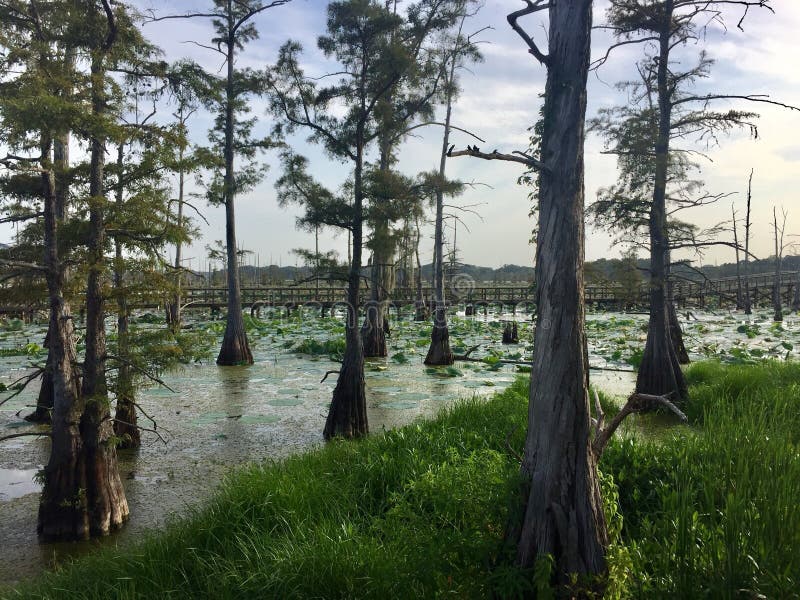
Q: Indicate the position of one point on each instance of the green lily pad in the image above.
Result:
(413, 396)
(285, 402)
(398, 405)
(388, 389)
(290, 392)
(209, 418)
(259, 419)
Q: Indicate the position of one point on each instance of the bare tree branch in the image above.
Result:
(533, 6)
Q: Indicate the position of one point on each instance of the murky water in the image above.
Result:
(219, 418)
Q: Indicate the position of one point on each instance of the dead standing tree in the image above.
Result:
(563, 515)
(778, 230)
(748, 308)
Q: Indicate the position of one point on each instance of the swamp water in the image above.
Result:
(219, 418)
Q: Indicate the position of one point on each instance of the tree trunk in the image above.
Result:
(421, 312)
(563, 514)
(347, 416)
(373, 331)
(125, 426)
(439, 352)
(62, 507)
(748, 309)
(105, 497)
(44, 402)
(739, 289)
(174, 306)
(675, 331)
(235, 350)
(660, 372)
(777, 303)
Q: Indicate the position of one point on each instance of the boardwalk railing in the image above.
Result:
(464, 292)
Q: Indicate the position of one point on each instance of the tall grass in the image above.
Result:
(414, 512)
(713, 511)
(708, 512)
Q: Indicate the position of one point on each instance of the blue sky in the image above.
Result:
(500, 99)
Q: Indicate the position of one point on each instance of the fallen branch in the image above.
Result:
(26, 434)
(508, 445)
(20, 387)
(329, 373)
(158, 435)
(636, 403)
(466, 354)
(140, 370)
(516, 156)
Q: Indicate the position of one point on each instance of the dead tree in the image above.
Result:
(746, 284)
(778, 231)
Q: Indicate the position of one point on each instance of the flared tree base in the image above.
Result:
(676, 336)
(83, 495)
(347, 417)
(373, 338)
(235, 350)
(660, 373)
(439, 352)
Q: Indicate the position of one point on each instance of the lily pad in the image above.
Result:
(285, 402)
(259, 419)
(207, 418)
(290, 392)
(398, 405)
(413, 396)
(388, 389)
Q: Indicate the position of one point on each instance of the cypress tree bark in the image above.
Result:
(174, 305)
(62, 508)
(60, 149)
(235, 349)
(748, 303)
(347, 416)
(777, 301)
(125, 426)
(375, 327)
(563, 515)
(106, 503)
(660, 372)
(439, 352)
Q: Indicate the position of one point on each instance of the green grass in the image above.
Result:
(709, 511)
(410, 513)
(712, 511)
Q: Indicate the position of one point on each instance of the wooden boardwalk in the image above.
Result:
(520, 296)
(687, 293)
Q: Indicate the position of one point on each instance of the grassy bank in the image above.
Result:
(419, 512)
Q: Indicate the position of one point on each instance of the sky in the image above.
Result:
(498, 102)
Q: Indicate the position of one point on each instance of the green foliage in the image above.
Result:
(709, 512)
(30, 349)
(329, 347)
(414, 512)
(12, 325)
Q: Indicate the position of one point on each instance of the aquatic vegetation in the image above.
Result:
(330, 347)
(30, 349)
